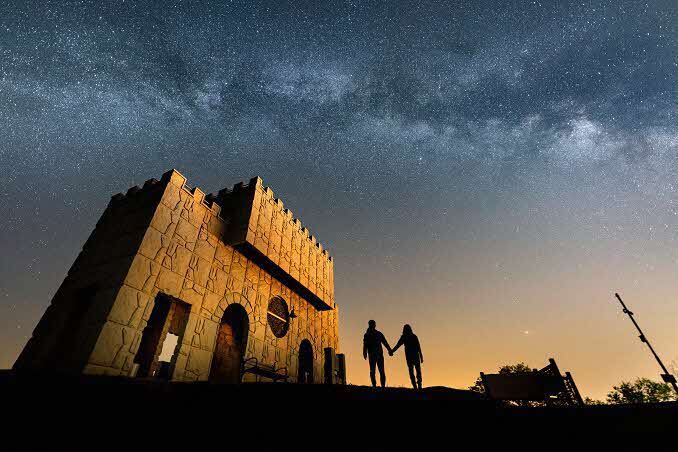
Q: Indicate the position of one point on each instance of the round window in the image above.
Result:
(278, 316)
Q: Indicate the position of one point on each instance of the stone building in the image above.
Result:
(177, 285)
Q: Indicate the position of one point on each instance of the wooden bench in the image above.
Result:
(545, 385)
(253, 366)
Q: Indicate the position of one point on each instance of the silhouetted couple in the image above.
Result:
(372, 343)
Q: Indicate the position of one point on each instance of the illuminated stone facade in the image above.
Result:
(165, 260)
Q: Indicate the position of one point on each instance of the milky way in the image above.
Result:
(452, 157)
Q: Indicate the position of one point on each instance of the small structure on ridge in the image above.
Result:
(177, 285)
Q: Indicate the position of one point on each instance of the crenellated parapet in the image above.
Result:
(175, 178)
(260, 224)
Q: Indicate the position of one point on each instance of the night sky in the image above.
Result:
(490, 172)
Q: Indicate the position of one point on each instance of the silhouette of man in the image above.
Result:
(372, 348)
(413, 354)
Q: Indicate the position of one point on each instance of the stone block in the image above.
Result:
(142, 273)
(171, 198)
(111, 342)
(192, 295)
(193, 210)
(203, 247)
(261, 241)
(209, 334)
(294, 271)
(277, 218)
(264, 292)
(181, 259)
(180, 364)
(211, 302)
(151, 243)
(216, 227)
(201, 271)
(162, 219)
(303, 276)
(218, 281)
(224, 254)
(129, 307)
(252, 272)
(169, 282)
(186, 231)
(198, 361)
(238, 266)
(274, 247)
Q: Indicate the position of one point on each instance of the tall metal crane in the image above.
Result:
(666, 376)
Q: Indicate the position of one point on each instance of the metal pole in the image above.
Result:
(666, 376)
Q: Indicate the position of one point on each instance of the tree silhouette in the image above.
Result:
(642, 390)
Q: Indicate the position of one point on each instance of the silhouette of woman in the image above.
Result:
(413, 354)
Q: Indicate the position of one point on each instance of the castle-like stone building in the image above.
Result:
(177, 285)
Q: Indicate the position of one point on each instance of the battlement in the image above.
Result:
(170, 177)
(256, 183)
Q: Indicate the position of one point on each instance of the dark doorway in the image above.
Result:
(231, 345)
(168, 319)
(305, 362)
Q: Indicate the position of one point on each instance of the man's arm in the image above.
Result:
(364, 347)
(385, 342)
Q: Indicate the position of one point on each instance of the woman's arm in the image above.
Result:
(400, 342)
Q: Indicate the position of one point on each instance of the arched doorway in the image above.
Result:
(231, 345)
(305, 362)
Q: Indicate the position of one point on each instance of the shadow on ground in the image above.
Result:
(107, 413)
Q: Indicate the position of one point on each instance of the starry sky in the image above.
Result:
(489, 172)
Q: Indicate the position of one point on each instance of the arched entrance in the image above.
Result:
(231, 345)
(305, 362)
